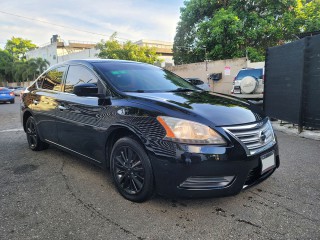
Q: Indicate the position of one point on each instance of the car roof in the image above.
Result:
(97, 60)
(251, 69)
(89, 62)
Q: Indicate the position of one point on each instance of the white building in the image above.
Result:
(162, 48)
(58, 51)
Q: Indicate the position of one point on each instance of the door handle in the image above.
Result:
(61, 108)
(35, 102)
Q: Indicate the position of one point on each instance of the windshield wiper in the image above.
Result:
(182, 90)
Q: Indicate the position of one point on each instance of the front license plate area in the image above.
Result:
(267, 162)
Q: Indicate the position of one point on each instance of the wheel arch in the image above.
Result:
(116, 132)
(25, 117)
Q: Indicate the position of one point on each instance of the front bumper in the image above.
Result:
(209, 171)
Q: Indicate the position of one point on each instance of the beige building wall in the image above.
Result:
(255, 64)
(200, 70)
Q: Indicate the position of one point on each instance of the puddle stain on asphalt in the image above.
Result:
(25, 168)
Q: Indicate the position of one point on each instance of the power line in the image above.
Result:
(58, 25)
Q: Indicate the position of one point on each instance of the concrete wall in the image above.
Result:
(48, 52)
(85, 54)
(200, 70)
(22, 84)
(255, 64)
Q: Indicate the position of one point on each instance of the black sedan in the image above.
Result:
(154, 131)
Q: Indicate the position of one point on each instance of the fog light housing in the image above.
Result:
(206, 183)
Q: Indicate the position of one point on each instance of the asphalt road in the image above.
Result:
(54, 195)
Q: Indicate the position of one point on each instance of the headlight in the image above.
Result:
(185, 131)
(272, 131)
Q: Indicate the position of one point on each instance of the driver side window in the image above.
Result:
(77, 75)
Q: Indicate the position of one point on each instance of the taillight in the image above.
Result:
(11, 94)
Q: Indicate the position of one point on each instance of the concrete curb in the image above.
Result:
(293, 130)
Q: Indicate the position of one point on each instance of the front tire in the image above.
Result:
(34, 141)
(131, 170)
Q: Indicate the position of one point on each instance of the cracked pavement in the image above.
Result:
(54, 195)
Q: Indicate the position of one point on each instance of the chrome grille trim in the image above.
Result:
(250, 136)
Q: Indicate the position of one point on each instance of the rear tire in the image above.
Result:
(12, 101)
(34, 141)
(131, 170)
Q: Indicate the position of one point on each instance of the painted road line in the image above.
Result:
(12, 130)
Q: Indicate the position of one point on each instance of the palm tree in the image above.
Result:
(42, 64)
(35, 66)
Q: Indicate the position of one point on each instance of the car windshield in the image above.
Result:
(256, 73)
(138, 77)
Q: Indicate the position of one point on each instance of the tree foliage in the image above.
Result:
(6, 61)
(12, 70)
(113, 49)
(13, 64)
(18, 47)
(232, 28)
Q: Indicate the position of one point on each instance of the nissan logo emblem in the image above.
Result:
(262, 137)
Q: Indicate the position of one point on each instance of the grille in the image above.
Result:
(255, 138)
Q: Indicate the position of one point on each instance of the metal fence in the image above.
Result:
(292, 85)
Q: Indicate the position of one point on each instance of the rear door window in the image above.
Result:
(256, 73)
(52, 80)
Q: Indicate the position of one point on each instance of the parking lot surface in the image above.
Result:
(54, 195)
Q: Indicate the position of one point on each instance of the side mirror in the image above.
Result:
(86, 90)
(91, 90)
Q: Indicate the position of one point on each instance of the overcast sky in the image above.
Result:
(134, 20)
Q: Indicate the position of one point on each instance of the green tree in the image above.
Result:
(38, 64)
(6, 61)
(13, 65)
(113, 49)
(230, 28)
(304, 17)
(18, 47)
(30, 69)
(225, 41)
(21, 71)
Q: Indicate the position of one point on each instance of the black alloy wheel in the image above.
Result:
(34, 141)
(131, 170)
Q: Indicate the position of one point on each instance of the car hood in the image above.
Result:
(219, 109)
